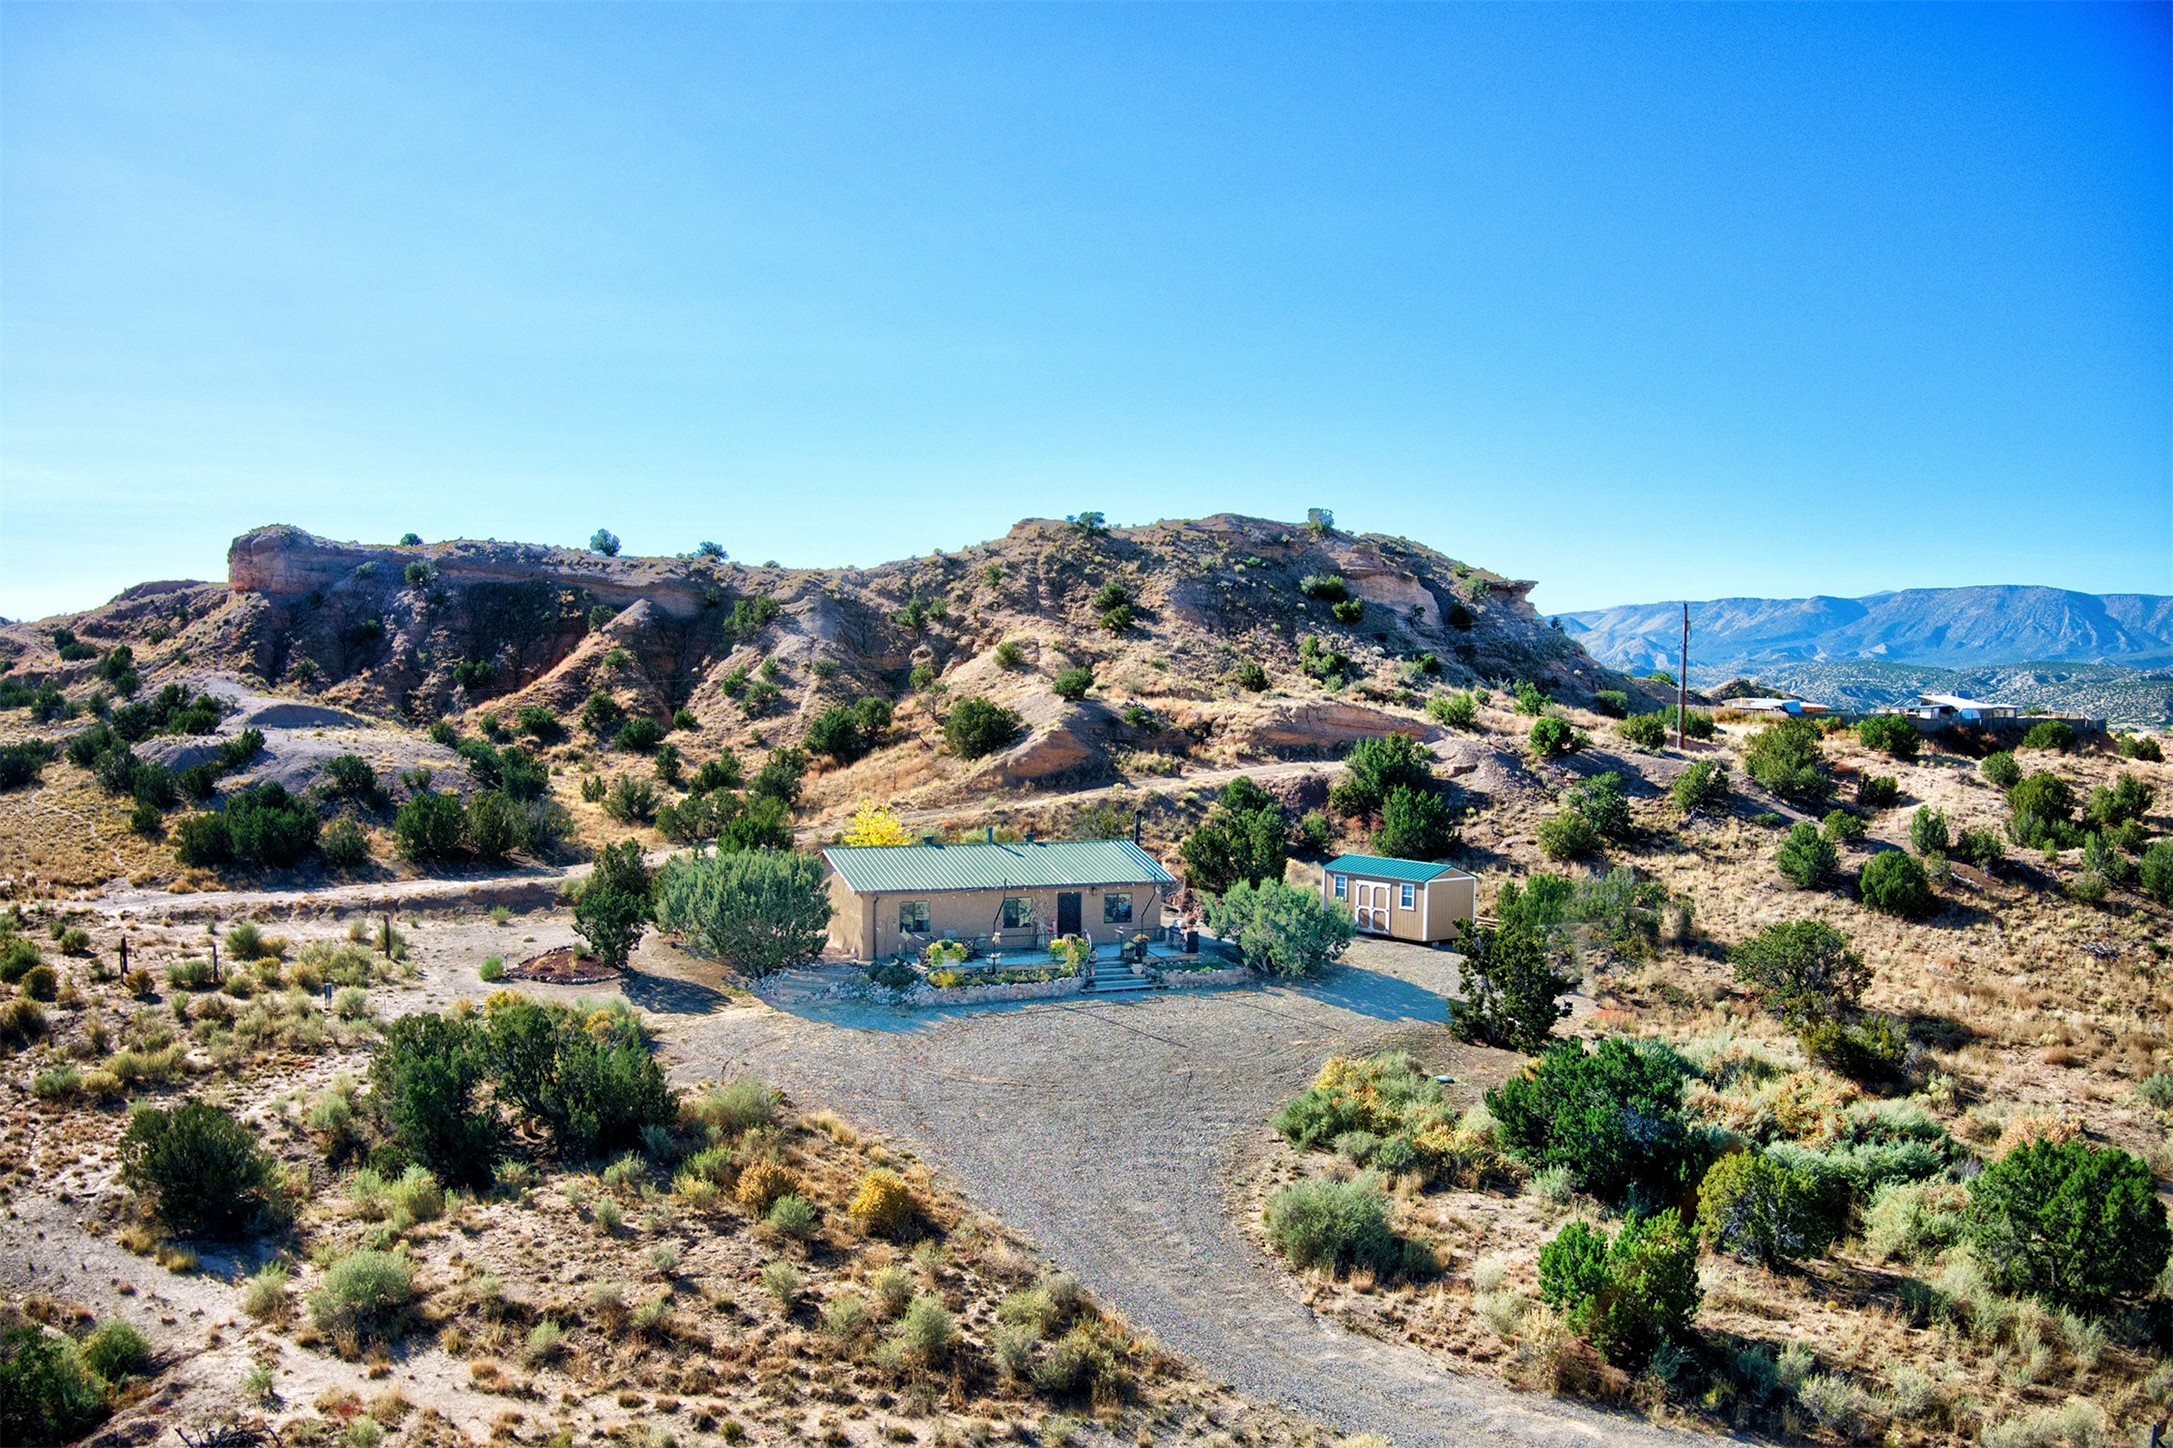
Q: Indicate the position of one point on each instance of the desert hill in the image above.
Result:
(1195, 633)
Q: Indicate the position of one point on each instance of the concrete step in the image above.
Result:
(1129, 983)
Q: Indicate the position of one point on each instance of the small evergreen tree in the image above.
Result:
(1896, 884)
(1512, 987)
(1806, 858)
(1279, 928)
(1802, 969)
(612, 909)
(2077, 1225)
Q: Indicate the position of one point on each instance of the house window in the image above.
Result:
(1342, 887)
(1117, 908)
(1018, 912)
(1407, 897)
(913, 917)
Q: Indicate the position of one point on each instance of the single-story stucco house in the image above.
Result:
(1402, 899)
(888, 900)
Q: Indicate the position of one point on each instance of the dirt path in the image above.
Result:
(1111, 1132)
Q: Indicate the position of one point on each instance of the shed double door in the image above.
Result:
(1369, 905)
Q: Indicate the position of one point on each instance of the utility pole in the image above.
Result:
(1682, 681)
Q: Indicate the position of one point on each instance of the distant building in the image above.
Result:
(1402, 899)
(889, 900)
(1775, 706)
(1953, 708)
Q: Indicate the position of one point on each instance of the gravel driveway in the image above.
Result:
(1110, 1133)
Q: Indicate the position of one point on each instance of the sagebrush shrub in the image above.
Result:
(365, 1297)
(1334, 1225)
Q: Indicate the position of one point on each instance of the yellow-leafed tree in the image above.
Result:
(875, 824)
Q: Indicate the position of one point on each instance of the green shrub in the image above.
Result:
(1511, 985)
(2077, 1225)
(366, 1296)
(978, 726)
(1803, 970)
(1785, 759)
(1981, 847)
(1806, 858)
(1243, 838)
(2001, 771)
(1326, 587)
(1867, 1047)
(1552, 737)
(1628, 1295)
(1010, 654)
(345, 846)
(115, 1349)
(1599, 799)
(1757, 1208)
(1415, 825)
(1458, 709)
(1281, 929)
(612, 908)
(758, 911)
(47, 1395)
(2043, 807)
(41, 983)
(425, 1083)
(1703, 785)
(201, 1170)
(2140, 746)
(1567, 835)
(1612, 702)
(1373, 767)
(592, 1089)
(2157, 872)
(1877, 791)
(1334, 1226)
(1530, 698)
(429, 826)
(1891, 734)
(1646, 731)
(1248, 675)
(1612, 1116)
(1928, 834)
(2056, 735)
(1844, 828)
(639, 734)
(1073, 683)
(630, 801)
(20, 764)
(2126, 800)
(1895, 884)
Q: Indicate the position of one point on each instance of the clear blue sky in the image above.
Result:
(1641, 302)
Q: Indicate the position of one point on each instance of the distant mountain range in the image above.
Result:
(2109, 653)
(1949, 628)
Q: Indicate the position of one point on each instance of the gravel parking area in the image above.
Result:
(1112, 1133)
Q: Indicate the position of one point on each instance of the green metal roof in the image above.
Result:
(1382, 867)
(897, 869)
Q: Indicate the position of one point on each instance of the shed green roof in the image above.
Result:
(895, 869)
(1384, 867)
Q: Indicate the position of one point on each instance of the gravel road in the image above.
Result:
(1110, 1133)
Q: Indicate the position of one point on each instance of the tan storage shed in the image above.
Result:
(1401, 899)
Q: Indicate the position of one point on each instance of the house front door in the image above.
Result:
(1369, 906)
(1067, 913)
